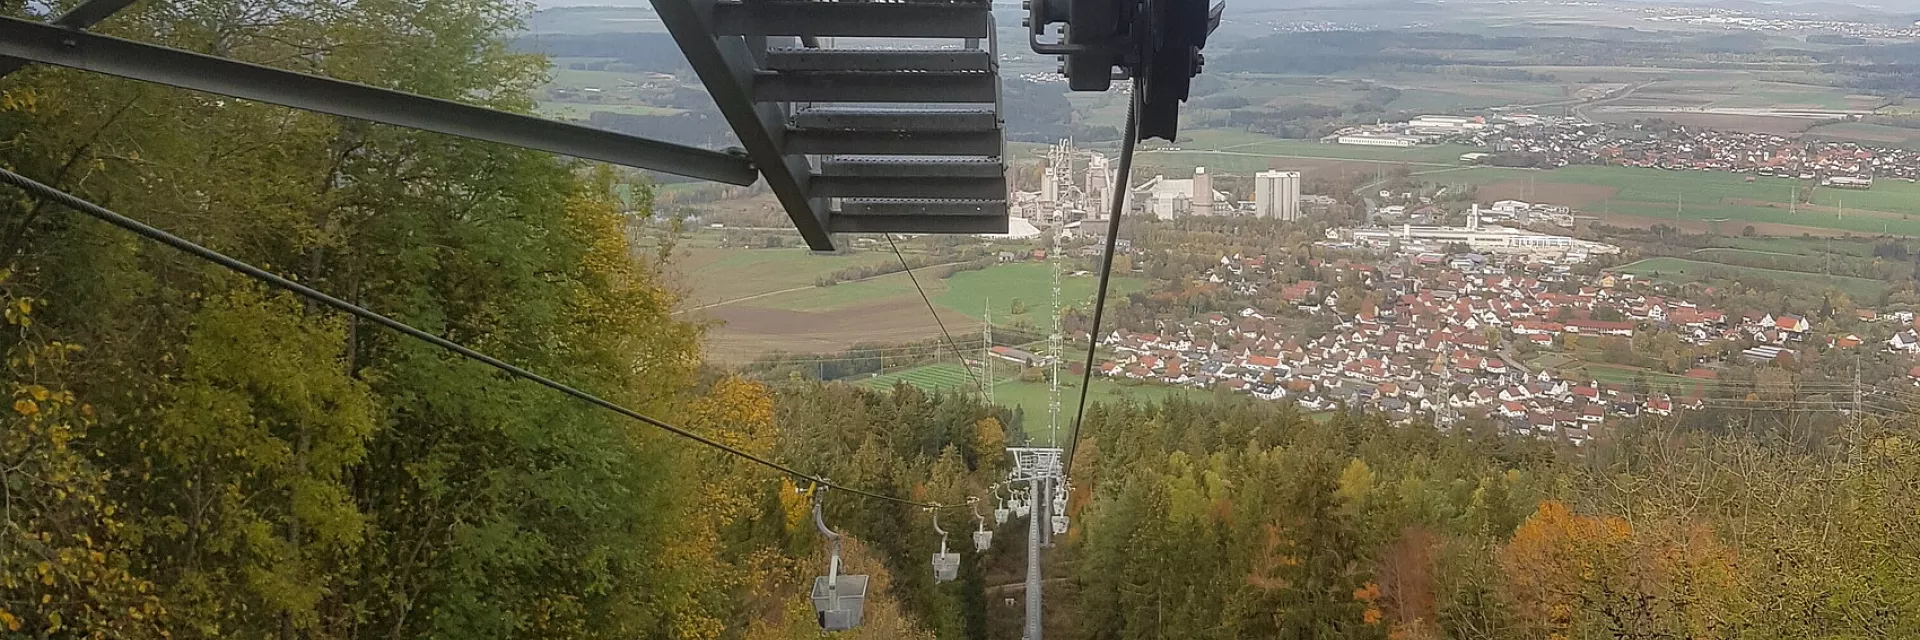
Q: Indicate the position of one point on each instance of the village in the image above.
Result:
(1445, 338)
(1549, 142)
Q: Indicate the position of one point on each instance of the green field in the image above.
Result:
(1801, 246)
(1679, 270)
(969, 292)
(1890, 195)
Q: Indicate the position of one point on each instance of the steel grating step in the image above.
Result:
(918, 215)
(807, 59)
(959, 188)
(917, 224)
(915, 19)
(876, 86)
(913, 168)
(921, 207)
(981, 119)
(907, 132)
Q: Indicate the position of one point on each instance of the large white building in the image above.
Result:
(1276, 194)
(1477, 237)
(1380, 140)
(1167, 198)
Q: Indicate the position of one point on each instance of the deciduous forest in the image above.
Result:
(186, 454)
(1239, 519)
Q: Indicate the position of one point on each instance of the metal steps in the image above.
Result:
(870, 215)
(804, 59)
(907, 132)
(876, 86)
(913, 19)
(827, 124)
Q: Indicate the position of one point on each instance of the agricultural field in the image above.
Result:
(1681, 271)
(1867, 133)
(1801, 246)
(715, 275)
(1639, 197)
(783, 310)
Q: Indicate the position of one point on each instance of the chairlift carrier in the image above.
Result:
(946, 566)
(838, 601)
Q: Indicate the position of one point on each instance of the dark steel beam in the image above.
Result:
(43, 43)
(726, 65)
(86, 15)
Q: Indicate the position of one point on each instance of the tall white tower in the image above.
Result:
(1276, 194)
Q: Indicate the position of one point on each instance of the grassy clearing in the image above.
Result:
(970, 292)
(1679, 270)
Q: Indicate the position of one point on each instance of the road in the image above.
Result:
(1581, 111)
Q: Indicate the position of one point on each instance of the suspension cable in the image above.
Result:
(936, 319)
(149, 232)
(1106, 271)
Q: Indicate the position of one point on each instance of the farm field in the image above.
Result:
(885, 308)
(1868, 133)
(1680, 270)
(1655, 194)
(715, 275)
(1798, 246)
(584, 110)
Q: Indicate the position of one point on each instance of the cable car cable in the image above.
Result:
(936, 318)
(142, 229)
(1106, 270)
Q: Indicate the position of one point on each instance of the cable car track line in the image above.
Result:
(1106, 272)
(155, 234)
(936, 318)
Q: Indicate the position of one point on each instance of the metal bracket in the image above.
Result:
(44, 43)
(89, 13)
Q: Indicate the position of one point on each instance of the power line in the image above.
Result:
(149, 232)
(936, 316)
(1125, 173)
